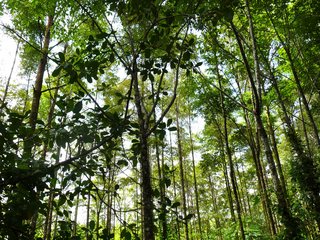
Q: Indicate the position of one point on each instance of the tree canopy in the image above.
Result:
(161, 120)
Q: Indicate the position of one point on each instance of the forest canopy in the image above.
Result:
(160, 120)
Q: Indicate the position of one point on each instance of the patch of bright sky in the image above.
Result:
(7, 51)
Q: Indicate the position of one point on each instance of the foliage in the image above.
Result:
(126, 85)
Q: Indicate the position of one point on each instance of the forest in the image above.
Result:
(160, 119)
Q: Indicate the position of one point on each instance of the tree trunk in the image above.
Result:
(275, 148)
(163, 214)
(255, 150)
(147, 194)
(306, 172)
(231, 165)
(177, 225)
(297, 81)
(75, 220)
(305, 132)
(88, 215)
(182, 178)
(227, 181)
(287, 218)
(215, 207)
(48, 222)
(28, 144)
(9, 78)
(195, 177)
(302, 95)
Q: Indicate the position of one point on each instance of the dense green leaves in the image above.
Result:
(117, 149)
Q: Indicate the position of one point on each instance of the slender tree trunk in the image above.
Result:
(275, 149)
(255, 149)
(163, 214)
(298, 82)
(75, 220)
(232, 172)
(243, 196)
(177, 225)
(88, 215)
(257, 100)
(48, 222)
(182, 178)
(28, 144)
(195, 177)
(287, 218)
(110, 196)
(215, 207)
(227, 181)
(9, 78)
(229, 155)
(306, 168)
(305, 133)
(99, 208)
(302, 95)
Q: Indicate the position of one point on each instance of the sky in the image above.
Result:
(7, 51)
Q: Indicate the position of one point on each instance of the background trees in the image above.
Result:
(161, 120)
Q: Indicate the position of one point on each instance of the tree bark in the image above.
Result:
(275, 149)
(287, 218)
(163, 214)
(177, 225)
(28, 144)
(304, 165)
(214, 200)
(147, 193)
(298, 82)
(195, 177)
(255, 150)
(230, 161)
(182, 178)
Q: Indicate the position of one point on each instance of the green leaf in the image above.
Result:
(73, 76)
(186, 56)
(77, 108)
(175, 205)
(125, 234)
(228, 14)
(147, 53)
(156, 193)
(162, 216)
(162, 125)
(172, 129)
(112, 58)
(62, 200)
(189, 216)
(198, 64)
(61, 56)
(92, 225)
(167, 182)
(91, 38)
(122, 162)
(56, 72)
(151, 77)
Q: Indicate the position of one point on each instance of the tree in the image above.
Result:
(109, 145)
